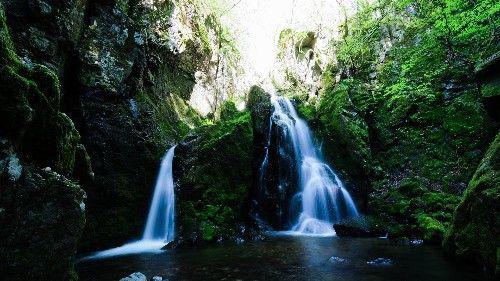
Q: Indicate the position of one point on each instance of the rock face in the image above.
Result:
(41, 210)
(302, 58)
(124, 81)
(487, 75)
(345, 135)
(475, 230)
(95, 91)
(137, 66)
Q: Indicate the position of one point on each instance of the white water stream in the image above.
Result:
(160, 225)
(322, 197)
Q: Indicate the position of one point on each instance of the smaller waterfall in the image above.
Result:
(160, 225)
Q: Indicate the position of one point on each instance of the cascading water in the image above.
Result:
(160, 225)
(322, 198)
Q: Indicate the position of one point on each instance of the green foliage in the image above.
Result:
(356, 53)
(412, 210)
(432, 229)
(343, 127)
(228, 110)
(408, 100)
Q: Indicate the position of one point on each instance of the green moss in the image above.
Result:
(65, 140)
(432, 229)
(345, 134)
(16, 111)
(412, 210)
(48, 83)
(216, 180)
(7, 53)
(228, 110)
(491, 90)
(412, 187)
(175, 81)
(165, 105)
(83, 167)
(30, 102)
(474, 234)
(307, 111)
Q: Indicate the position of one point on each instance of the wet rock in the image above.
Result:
(274, 166)
(136, 276)
(381, 262)
(14, 168)
(359, 227)
(338, 260)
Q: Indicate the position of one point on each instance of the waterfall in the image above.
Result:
(321, 199)
(160, 224)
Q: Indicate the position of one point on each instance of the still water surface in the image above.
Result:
(287, 258)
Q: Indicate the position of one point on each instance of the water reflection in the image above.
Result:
(286, 258)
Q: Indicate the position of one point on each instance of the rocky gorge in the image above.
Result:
(403, 104)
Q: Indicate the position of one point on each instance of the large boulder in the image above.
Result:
(475, 231)
(42, 216)
(212, 168)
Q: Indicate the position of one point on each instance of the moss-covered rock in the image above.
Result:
(474, 234)
(214, 175)
(259, 104)
(137, 78)
(41, 213)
